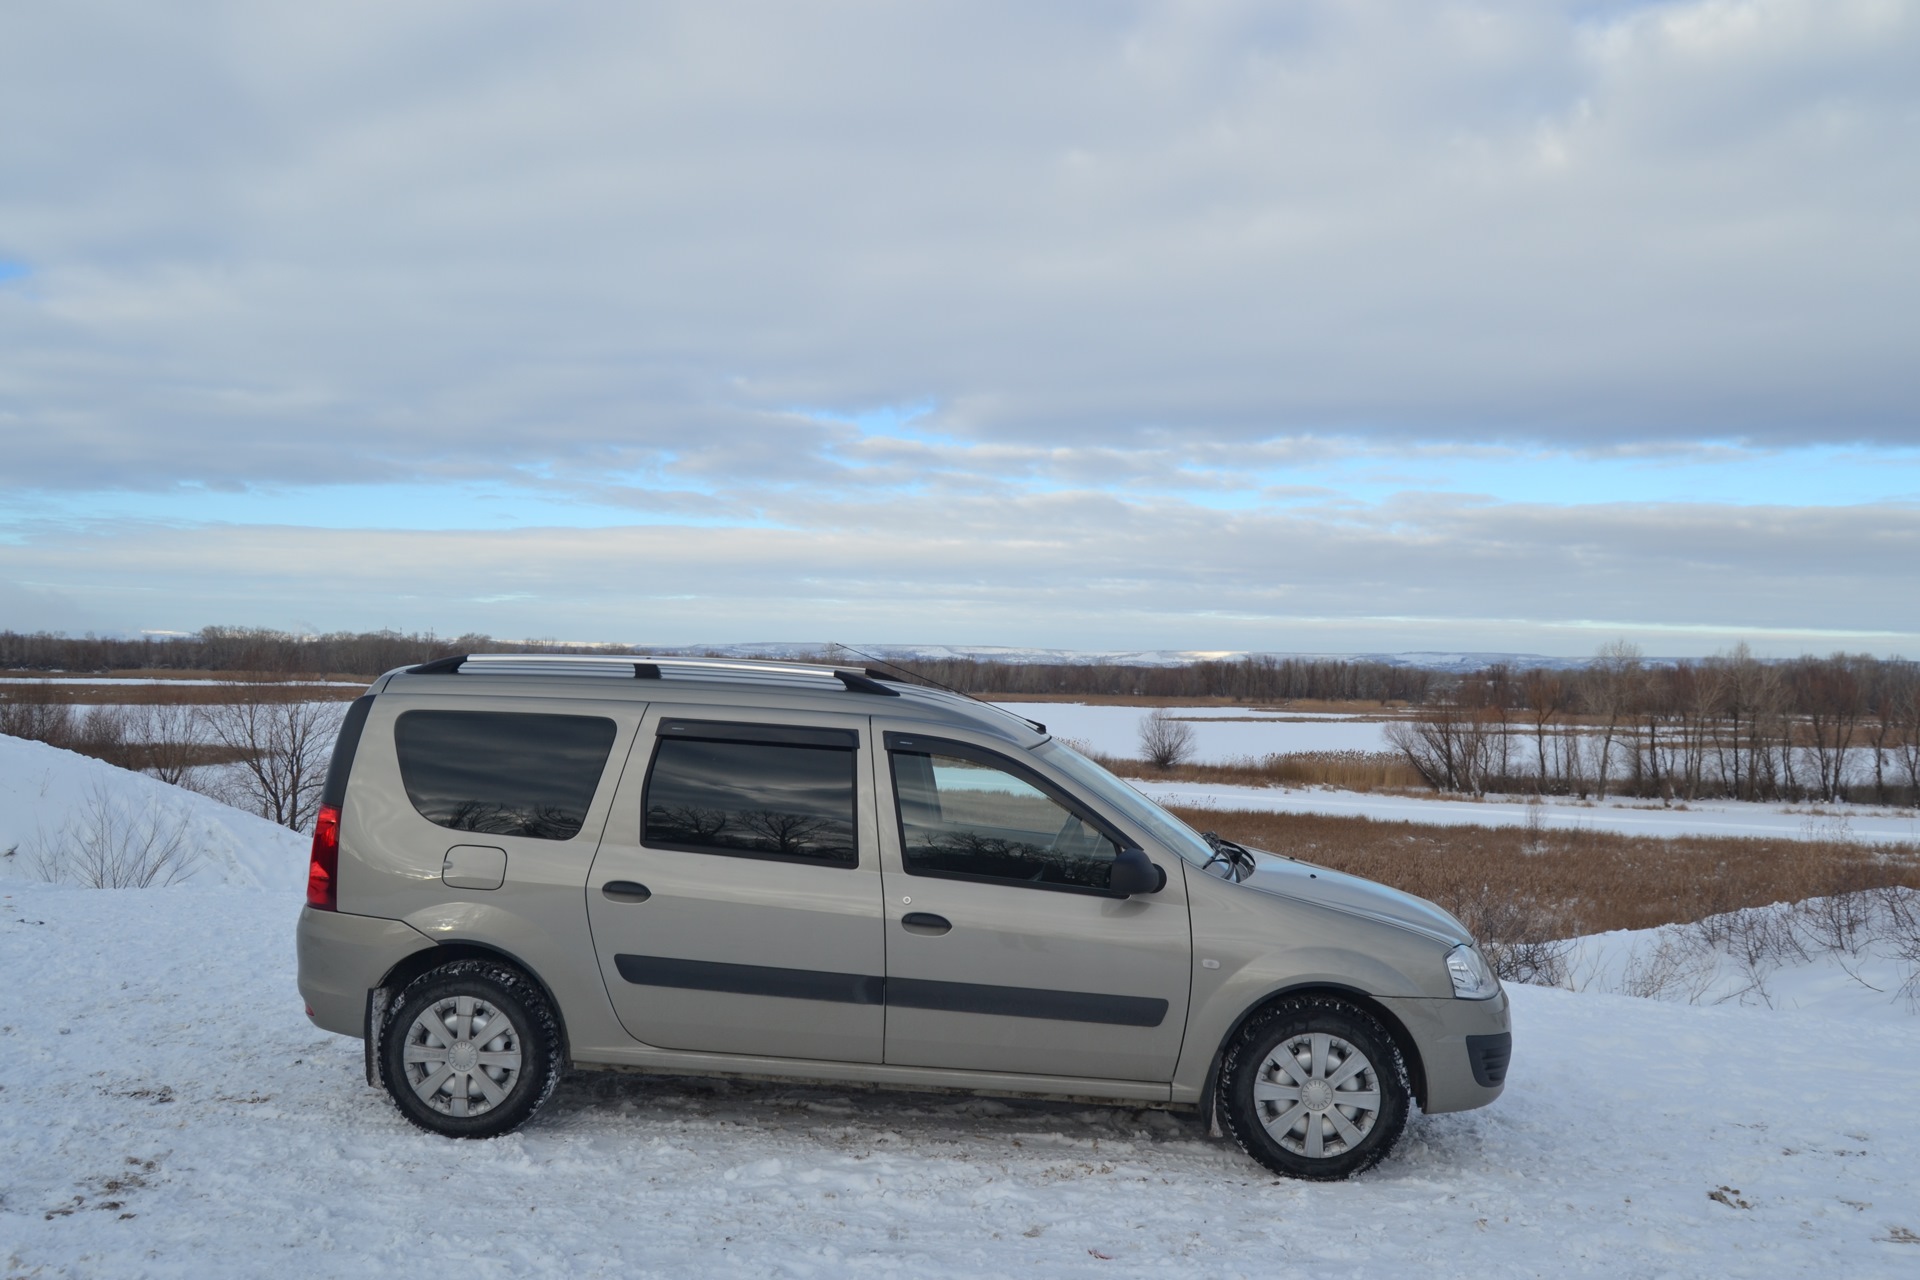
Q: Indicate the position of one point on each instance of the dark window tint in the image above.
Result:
(752, 798)
(961, 817)
(504, 773)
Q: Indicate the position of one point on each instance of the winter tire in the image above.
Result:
(470, 1050)
(1314, 1087)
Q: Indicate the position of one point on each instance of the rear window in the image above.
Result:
(503, 773)
(786, 800)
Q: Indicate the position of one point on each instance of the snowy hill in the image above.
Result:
(168, 1110)
(54, 801)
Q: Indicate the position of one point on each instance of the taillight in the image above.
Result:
(323, 869)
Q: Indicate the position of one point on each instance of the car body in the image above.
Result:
(800, 872)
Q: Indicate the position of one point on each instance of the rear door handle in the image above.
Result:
(925, 922)
(625, 891)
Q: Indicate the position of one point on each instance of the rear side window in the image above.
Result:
(501, 772)
(788, 795)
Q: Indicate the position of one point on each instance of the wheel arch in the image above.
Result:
(1402, 1039)
(427, 959)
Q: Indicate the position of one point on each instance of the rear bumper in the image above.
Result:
(342, 957)
(1463, 1047)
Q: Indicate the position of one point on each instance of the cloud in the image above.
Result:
(275, 242)
(1069, 570)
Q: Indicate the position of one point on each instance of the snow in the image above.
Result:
(50, 797)
(170, 1112)
(1224, 735)
(1628, 817)
(224, 1132)
(1785, 956)
(112, 680)
(1217, 739)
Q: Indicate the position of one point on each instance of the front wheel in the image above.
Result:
(1315, 1087)
(470, 1050)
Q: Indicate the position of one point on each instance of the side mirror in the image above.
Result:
(1134, 872)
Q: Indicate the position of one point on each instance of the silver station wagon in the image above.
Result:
(784, 871)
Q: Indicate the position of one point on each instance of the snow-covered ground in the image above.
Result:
(1629, 817)
(168, 1111)
(1220, 734)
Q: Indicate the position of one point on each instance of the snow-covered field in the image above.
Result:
(1629, 817)
(1223, 735)
(166, 1109)
(1220, 734)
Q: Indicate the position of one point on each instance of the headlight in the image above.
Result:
(1472, 979)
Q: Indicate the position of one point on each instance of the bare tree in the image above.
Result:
(1453, 747)
(1827, 692)
(1545, 696)
(167, 738)
(283, 746)
(1165, 741)
(1903, 707)
(1612, 682)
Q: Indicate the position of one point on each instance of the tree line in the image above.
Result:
(1256, 678)
(1843, 727)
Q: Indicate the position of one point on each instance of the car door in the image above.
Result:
(735, 899)
(1004, 953)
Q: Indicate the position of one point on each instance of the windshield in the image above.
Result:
(1136, 808)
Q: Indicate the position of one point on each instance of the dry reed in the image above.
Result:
(1347, 770)
(1523, 884)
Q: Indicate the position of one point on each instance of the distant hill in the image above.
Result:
(1431, 660)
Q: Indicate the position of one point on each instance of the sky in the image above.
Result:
(1300, 326)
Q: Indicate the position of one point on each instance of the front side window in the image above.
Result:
(503, 773)
(962, 817)
(784, 800)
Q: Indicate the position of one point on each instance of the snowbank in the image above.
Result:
(1854, 956)
(51, 798)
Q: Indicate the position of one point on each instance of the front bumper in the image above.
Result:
(1459, 1043)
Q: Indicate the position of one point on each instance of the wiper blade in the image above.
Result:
(1237, 856)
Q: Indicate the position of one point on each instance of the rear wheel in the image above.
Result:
(1315, 1087)
(470, 1050)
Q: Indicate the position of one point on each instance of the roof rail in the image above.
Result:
(588, 664)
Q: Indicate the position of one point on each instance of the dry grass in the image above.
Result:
(1348, 770)
(1521, 884)
(124, 692)
(1292, 706)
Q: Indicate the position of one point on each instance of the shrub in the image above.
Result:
(1164, 740)
(102, 846)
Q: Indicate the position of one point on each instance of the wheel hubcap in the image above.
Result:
(462, 1056)
(1317, 1095)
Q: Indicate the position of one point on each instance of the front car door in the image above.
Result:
(1004, 953)
(735, 900)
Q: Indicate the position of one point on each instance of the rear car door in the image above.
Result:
(1004, 953)
(735, 898)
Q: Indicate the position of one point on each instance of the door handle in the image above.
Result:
(925, 922)
(625, 891)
